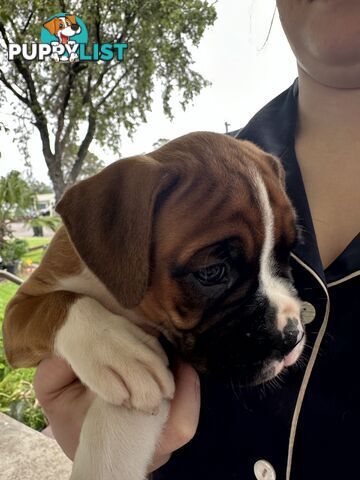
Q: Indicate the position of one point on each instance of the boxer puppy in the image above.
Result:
(192, 242)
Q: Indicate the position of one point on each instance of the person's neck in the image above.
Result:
(327, 145)
(328, 118)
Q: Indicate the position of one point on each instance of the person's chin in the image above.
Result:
(334, 76)
(332, 33)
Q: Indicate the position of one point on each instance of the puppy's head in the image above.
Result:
(196, 236)
(63, 27)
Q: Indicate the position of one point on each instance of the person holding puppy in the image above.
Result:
(305, 428)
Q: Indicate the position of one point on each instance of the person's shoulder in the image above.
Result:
(234, 133)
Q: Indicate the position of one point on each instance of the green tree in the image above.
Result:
(76, 103)
(36, 185)
(16, 197)
(92, 163)
(160, 142)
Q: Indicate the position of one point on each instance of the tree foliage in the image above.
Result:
(160, 142)
(36, 185)
(16, 197)
(92, 163)
(73, 104)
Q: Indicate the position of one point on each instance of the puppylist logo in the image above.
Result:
(64, 38)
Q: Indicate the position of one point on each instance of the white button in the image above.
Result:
(308, 312)
(264, 470)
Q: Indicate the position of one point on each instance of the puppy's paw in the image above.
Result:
(115, 358)
(74, 57)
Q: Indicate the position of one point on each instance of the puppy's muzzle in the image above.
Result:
(293, 334)
(246, 348)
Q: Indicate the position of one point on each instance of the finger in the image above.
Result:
(159, 462)
(51, 377)
(65, 401)
(184, 411)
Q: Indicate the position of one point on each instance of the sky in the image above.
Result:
(244, 73)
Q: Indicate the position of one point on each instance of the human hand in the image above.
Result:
(65, 401)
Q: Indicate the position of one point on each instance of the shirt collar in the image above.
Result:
(347, 264)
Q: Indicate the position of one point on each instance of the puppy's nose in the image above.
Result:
(293, 333)
(74, 27)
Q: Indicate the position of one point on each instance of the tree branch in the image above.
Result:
(54, 89)
(70, 125)
(107, 66)
(86, 94)
(97, 22)
(111, 90)
(83, 149)
(10, 87)
(66, 135)
(27, 23)
(20, 117)
(61, 118)
(41, 122)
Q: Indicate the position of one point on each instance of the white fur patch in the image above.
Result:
(128, 370)
(117, 443)
(279, 292)
(86, 283)
(115, 358)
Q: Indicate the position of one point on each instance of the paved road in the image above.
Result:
(21, 230)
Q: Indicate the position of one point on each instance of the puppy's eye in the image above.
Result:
(61, 25)
(212, 275)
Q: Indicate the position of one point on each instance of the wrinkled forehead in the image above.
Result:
(209, 207)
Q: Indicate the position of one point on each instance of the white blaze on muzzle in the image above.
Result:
(280, 293)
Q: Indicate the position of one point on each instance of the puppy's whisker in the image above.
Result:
(234, 389)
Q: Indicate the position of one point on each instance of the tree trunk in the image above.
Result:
(59, 188)
(56, 176)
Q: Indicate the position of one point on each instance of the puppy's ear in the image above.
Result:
(109, 218)
(277, 168)
(71, 19)
(50, 26)
(266, 159)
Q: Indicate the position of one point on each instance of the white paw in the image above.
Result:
(114, 358)
(73, 57)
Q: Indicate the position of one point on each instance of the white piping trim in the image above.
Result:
(344, 279)
(308, 370)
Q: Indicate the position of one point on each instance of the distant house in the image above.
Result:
(45, 203)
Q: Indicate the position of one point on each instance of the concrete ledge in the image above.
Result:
(27, 455)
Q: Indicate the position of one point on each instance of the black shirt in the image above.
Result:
(305, 425)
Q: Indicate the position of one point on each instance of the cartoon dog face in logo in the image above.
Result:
(63, 27)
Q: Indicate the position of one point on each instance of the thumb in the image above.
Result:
(52, 376)
(184, 410)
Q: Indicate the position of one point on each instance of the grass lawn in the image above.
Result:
(36, 255)
(7, 290)
(17, 397)
(36, 241)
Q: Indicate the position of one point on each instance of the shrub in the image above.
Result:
(17, 397)
(13, 250)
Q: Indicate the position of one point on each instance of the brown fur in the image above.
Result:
(137, 220)
(53, 26)
(37, 311)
